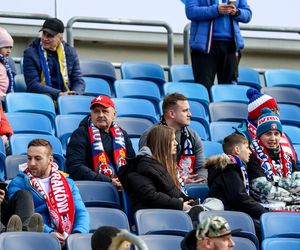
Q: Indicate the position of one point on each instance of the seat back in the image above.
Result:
(229, 93)
(103, 216)
(228, 111)
(219, 130)
(162, 242)
(212, 148)
(197, 191)
(277, 224)
(286, 95)
(289, 114)
(20, 84)
(74, 104)
(132, 107)
(23, 122)
(96, 86)
(282, 78)
(32, 103)
(106, 197)
(201, 129)
(12, 163)
(79, 242)
(249, 77)
(134, 126)
(2, 159)
(162, 221)
(242, 243)
(181, 73)
(135, 144)
(280, 244)
(292, 132)
(28, 241)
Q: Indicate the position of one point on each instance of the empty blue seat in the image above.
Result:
(229, 93)
(201, 129)
(22, 122)
(282, 78)
(286, 95)
(198, 111)
(140, 89)
(74, 104)
(219, 130)
(98, 194)
(132, 107)
(212, 148)
(297, 149)
(143, 71)
(31, 103)
(12, 163)
(249, 77)
(20, 84)
(162, 242)
(79, 242)
(280, 244)
(162, 221)
(135, 144)
(65, 126)
(28, 241)
(228, 111)
(198, 190)
(99, 69)
(278, 224)
(96, 86)
(134, 126)
(242, 243)
(181, 73)
(289, 114)
(103, 216)
(292, 132)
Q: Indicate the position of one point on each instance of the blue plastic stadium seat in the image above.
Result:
(286, 95)
(199, 190)
(20, 84)
(140, 89)
(74, 104)
(28, 241)
(96, 86)
(249, 77)
(162, 221)
(289, 114)
(282, 78)
(99, 69)
(132, 107)
(182, 73)
(219, 130)
(212, 148)
(134, 126)
(242, 243)
(280, 244)
(106, 196)
(162, 242)
(229, 93)
(143, 71)
(12, 163)
(228, 111)
(201, 128)
(135, 144)
(79, 242)
(293, 132)
(103, 216)
(2, 160)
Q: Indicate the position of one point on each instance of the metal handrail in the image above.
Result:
(22, 15)
(186, 49)
(120, 21)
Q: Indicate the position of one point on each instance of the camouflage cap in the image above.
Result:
(213, 227)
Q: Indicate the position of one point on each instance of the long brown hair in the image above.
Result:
(159, 140)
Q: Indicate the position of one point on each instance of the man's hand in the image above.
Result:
(117, 183)
(60, 237)
(4, 139)
(194, 178)
(187, 205)
(225, 8)
(2, 195)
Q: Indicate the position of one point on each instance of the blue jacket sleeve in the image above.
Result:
(200, 10)
(82, 219)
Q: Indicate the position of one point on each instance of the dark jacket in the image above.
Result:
(225, 181)
(33, 68)
(79, 158)
(148, 184)
(190, 241)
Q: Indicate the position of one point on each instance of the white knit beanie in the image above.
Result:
(5, 39)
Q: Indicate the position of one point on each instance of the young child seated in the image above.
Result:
(228, 179)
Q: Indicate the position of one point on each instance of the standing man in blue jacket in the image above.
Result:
(215, 38)
(51, 66)
(55, 196)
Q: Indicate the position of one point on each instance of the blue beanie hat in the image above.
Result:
(268, 121)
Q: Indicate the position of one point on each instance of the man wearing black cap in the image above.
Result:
(99, 146)
(51, 66)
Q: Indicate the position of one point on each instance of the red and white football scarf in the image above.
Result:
(101, 161)
(60, 200)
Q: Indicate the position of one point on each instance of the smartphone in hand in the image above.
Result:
(3, 185)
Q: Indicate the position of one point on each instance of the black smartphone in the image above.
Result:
(3, 185)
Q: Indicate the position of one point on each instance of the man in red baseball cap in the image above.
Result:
(99, 146)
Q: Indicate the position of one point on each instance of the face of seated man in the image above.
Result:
(271, 139)
(50, 42)
(102, 117)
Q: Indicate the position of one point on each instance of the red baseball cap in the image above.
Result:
(102, 100)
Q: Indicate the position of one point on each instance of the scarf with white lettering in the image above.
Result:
(284, 141)
(59, 201)
(283, 169)
(63, 69)
(101, 161)
(4, 61)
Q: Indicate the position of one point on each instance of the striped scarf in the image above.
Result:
(4, 61)
(45, 74)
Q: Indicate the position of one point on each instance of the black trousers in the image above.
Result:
(221, 61)
(20, 204)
